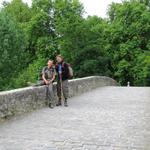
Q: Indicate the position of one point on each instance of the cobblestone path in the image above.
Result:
(107, 118)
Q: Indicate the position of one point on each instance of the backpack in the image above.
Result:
(70, 75)
(40, 73)
(70, 71)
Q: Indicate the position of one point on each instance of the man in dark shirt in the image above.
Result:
(62, 71)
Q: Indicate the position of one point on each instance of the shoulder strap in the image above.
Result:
(53, 69)
(66, 64)
(45, 68)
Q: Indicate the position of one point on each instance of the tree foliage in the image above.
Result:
(12, 49)
(130, 36)
(118, 46)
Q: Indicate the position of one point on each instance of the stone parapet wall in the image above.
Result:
(27, 99)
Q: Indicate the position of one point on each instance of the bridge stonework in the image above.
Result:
(19, 101)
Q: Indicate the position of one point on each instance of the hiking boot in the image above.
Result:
(51, 106)
(65, 103)
(59, 103)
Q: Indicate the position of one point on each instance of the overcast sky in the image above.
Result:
(92, 7)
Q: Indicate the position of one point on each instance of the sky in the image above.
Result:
(92, 7)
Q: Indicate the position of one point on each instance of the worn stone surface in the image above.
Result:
(107, 118)
(27, 99)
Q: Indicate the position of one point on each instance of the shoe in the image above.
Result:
(65, 103)
(59, 103)
(51, 106)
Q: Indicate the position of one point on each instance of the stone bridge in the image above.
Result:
(100, 116)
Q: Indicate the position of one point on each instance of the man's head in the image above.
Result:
(59, 58)
(50, 63)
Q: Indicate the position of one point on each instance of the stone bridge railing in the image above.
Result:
(23, 100)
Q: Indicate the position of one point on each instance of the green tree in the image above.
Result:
(129, 32)
(118, 46)
(12, 49)
(91, 57)
(19, 10)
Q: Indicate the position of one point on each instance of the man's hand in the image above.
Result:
(50, 81)
(46, 82)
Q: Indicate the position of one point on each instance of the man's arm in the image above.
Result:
(44, 79)
(54, 74)
(43, 76)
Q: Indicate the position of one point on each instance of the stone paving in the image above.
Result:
(107, 118)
